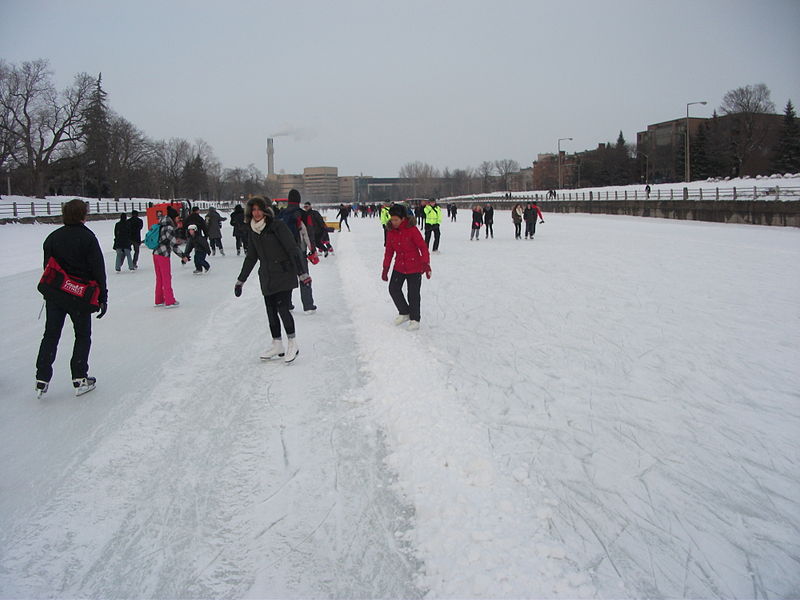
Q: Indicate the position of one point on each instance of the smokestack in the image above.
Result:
(270, 158)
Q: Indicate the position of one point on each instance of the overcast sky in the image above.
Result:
(369, 86)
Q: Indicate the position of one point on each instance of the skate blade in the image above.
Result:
(86, 391)
(291, 360)
(271, 358)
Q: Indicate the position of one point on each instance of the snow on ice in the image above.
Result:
(610, 410)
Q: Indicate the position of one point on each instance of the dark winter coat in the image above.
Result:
(196, 219)
(196, 241)
(477, 219)
(214, 221)
(277, 253)
(237, 222)
(488, 215)
(135, 225)
(409, 249)
(122, 236)
(78, 252)
(531, 212)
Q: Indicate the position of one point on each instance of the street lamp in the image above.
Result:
(559, 160)
(688, 167)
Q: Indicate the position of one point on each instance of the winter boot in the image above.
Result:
(41, 387)
(400, 319)
(291, 351)
(83, 385)
(413, 325)
(275, 350)
(221, 251)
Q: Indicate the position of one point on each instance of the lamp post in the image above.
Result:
(559, 159)
(686, 159)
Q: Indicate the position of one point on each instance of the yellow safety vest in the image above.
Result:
(433, 215)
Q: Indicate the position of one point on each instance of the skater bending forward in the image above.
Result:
(271, 244)
(404, 242)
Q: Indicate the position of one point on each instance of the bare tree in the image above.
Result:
(129, 152)
(750, 132)
(504, 169)
(37, 120)
(423, 177)
(485, 172)
(170, 159)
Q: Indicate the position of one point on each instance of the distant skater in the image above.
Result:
(477, 221)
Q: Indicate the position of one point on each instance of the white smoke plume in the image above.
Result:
(298, 134)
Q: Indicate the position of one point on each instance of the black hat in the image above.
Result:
(294, 196)
(398, 210)
(172, 213)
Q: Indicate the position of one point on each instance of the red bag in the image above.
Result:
(68, 291)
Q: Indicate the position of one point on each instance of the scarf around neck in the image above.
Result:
(258, 226)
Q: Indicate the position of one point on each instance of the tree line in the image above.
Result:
(70, 142)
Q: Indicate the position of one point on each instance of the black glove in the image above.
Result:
(237, 289)
(103, 309)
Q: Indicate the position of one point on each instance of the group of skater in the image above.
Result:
(282, 241)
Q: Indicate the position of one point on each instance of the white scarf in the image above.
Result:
(258, 226)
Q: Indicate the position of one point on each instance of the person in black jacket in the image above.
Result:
(77, 251)
(195, 218)
(195, 241)
(488, 219)
(122, 243)
(239, 230)
(317, 230)
(272, 245)
(135, 224)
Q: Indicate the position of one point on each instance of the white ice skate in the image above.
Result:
(413, 325)
(400, 319)
(41, 387)
(84, 385)
(291, 351)
(275, 350)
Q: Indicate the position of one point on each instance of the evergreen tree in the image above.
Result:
(787, 152)
(194, 181)
(96, 133)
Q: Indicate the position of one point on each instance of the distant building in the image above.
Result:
(545, 172)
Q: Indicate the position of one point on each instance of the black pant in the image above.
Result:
(530, 228)
(343, 220)
(489, 229)
(215, 243)
(136, 254)
(241, 242)
(278, 310)
(517, 230)
(410, 308)
(434, 229)
(82, 323)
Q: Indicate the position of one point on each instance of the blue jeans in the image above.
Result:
(123, 253)
(200, 261)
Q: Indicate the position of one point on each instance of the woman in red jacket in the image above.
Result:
(411, 260)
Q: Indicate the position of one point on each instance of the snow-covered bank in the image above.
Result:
(608, 411)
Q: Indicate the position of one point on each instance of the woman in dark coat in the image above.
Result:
(271, 244)
(239, 228)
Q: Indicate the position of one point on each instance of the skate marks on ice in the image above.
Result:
(642, 411)
(231, 474)
(470, 515)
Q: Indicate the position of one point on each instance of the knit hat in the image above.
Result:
(398, 210)
(192, 227)
(294, 197)
(172, 213)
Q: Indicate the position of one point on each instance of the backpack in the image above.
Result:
(152, 236)
(289, 216)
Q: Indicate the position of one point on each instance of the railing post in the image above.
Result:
(16, 214)
(48, 207)
(701, 193)
(625, 195)
(734, 192)
(33, 209)
(777, 192)
(717, 194)
(658, 195)
(108, 207)
(755, 192)
(635, 195)
(671, 194)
